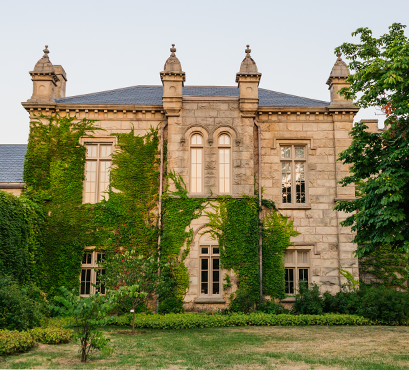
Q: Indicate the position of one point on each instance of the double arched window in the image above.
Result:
(224, 144)
(196, 164)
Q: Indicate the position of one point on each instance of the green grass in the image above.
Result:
(313, 347)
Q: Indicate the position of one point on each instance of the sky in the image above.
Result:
(105, 45)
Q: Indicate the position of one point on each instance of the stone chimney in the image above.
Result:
(248, 79)
(59, 91)
(173, 79)
(336, 81)
(44, 80)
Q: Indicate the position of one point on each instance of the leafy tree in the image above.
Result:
(380, 161)
(132, 276)
(86, 314)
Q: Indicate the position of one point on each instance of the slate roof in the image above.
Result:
(12, 162)
(152, 95)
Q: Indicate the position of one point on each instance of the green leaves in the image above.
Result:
(380, 161)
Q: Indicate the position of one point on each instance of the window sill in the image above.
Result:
(210, 300)
(294, 206)
(288, 300)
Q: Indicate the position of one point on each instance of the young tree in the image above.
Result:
(380, 161)
(131, 276)
(87, 314)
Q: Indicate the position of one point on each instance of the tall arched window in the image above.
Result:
(196, 164)
(224, 164)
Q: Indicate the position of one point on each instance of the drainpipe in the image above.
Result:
(260, 238)
(161, 169)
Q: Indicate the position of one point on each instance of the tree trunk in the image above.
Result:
(84, 352)
(133, 322)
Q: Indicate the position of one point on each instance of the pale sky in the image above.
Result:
(106, 45)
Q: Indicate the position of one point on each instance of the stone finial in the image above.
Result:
(340, 69)
(173, 63)
(44, 66)
(248, 65)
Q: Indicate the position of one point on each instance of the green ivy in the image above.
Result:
(387, 265)
(177, 213)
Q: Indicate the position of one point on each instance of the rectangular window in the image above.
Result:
(297, 267)
(293, 179)
(224, 170)
(210, 274)
(97, 167)
(196, 170)
(91, 273)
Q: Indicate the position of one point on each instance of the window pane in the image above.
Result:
(205, 264)
(289, 281)
(224, 139)
(300, 182)
(104, 179)
(216, 276)
(197, 140)
(289, 257)
(215, 263)
(205, 276)
(215, 250)
(224, 170)
(100, 257)
(299, 152)
(105, 151)
(204, 289)
(196, 170)
(216, 288)
(286, 152)
(90, 181)
(303, 275)
(286, 182)
(92, 151)
(100, 288)
(302, 256)
(205, 250)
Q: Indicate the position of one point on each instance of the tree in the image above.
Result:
(380, 161)
(87, 314)
(131, 277)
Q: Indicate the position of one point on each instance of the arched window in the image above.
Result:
(224, 164)
(196, 164)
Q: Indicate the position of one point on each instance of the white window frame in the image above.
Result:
(227, 147)
(296, 265)
(292, 161)
(98, 195)
(93, 269)
(210, 257)
(199, 148)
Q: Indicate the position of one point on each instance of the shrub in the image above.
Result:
(87, 314)
(52, 335)
(197, 320)
(12, 341)
(308, 300)
(386, 306)
(271, 307)
(21, 308)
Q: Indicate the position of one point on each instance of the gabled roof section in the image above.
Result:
(12, 162)
(152, 95)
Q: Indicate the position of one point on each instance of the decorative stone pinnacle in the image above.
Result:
(339, 56)
(173, 49)
(46, 51)
(248, 51)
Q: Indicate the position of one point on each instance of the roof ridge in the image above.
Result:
(295, 96)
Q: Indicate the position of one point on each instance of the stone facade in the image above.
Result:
(258, 122)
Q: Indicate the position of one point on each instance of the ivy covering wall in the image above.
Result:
(47, 229)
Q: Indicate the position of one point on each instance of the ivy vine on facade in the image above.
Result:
(205, 179)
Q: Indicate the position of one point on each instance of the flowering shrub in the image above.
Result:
(13, 341)
(52, 335)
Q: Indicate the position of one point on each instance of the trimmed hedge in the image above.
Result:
(52, 335)
(13, 341)
(197, 320)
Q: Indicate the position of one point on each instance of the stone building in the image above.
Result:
(221, 140)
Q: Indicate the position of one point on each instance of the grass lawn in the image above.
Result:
(314, 347)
